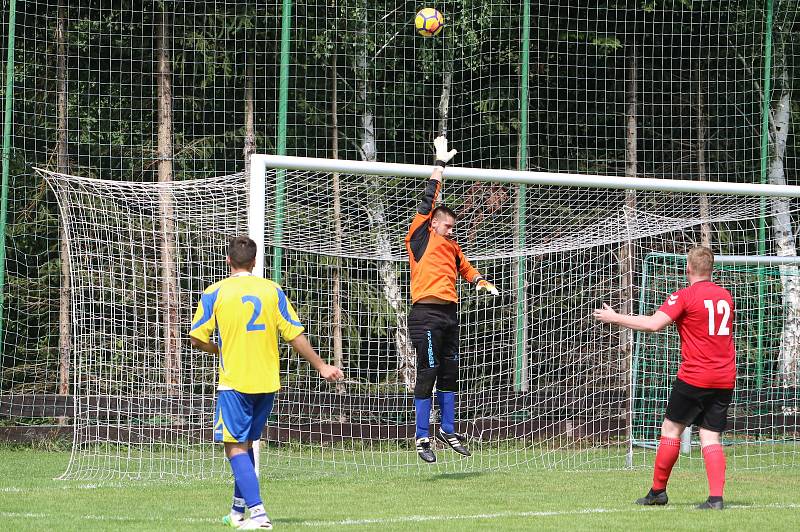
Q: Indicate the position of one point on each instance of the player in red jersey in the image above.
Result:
(701, 394)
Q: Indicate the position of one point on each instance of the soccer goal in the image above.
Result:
(542, 384)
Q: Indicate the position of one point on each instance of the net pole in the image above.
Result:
(256, 212)
(633, 373)
(762, 222)
(9, 99)
(520, 377)
(283, 111)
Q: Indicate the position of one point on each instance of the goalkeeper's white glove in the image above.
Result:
(483, 284)
(442, 155)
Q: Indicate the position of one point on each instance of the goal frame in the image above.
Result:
(261, 163)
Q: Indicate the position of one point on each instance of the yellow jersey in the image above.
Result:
(248, 312)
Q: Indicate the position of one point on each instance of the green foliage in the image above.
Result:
(577, 79)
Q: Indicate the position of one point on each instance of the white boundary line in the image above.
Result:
(407, 518)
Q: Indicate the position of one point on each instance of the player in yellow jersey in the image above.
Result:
(248, 312)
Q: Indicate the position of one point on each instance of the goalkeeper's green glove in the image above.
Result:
(442, 155)
(483, 284)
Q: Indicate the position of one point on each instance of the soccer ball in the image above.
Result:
(429, 22)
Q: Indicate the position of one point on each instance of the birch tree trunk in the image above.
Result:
(376, 211)
(169, 287)
(249, 116)
(444, 101)
(780, 119)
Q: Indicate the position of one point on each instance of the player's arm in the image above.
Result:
(292, 332)
(435, 182)
(208, 347)
(638, 322)
(473, 276)
(431, 193)
(204, 322)
(303, 347)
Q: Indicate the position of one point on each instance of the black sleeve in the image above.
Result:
(428, 197)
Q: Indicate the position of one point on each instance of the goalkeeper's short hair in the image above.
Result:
(241, 251)
(443, 210)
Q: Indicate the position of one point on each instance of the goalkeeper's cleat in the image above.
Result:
(424, 450)
(233, 519)
(257, 522)
(652, 499)
(454, 440)
(483, 284)
(711, 505)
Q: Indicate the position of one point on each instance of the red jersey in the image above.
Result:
(436, 261)
(703, 313)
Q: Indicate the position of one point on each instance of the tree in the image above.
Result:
(62, 166)
(167, 258)
(783, 231)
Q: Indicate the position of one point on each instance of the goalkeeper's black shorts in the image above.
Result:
(433, 330)
(704, 407)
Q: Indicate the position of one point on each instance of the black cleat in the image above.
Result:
(424, 450)
(454, 440)
(711, 505)
(652, 499)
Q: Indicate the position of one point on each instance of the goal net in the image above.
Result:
(541, 383)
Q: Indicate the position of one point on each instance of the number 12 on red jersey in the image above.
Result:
(723, 310)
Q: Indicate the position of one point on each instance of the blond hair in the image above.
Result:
(701, 260)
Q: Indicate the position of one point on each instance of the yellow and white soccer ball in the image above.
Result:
(429, 22)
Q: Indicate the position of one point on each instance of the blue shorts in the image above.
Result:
(240, 417)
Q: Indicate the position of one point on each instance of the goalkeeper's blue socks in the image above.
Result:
(423, 409)
(447, 404)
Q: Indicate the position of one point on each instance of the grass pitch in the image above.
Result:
(523, 499)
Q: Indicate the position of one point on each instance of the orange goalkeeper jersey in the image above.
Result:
(436, 261)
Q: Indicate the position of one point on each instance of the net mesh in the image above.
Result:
(563, 392)
(686, 79)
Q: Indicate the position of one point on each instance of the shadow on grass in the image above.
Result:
(454, 476)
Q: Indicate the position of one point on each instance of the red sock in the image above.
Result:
(714, 457)
(666, 456)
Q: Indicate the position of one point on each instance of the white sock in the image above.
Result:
(258, 513)
(238, 503)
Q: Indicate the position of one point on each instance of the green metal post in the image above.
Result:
(9, 99)
(283, 111)
(762, 224)
(520, 369)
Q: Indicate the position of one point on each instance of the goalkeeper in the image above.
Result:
(436, 261)
(248, 312)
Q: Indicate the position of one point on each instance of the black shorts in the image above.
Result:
(704, 407)
(433, 330)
